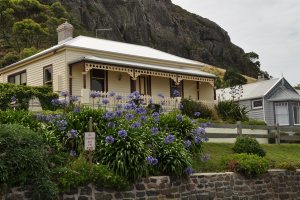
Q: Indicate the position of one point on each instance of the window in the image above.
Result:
(256, 104)
(145, 85)
(19, 78)
(98, 80)
(174, 87)
(282, 113)
(296, 111)
(48, 75)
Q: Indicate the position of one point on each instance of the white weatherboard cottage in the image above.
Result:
(83, 64)
(273, 101)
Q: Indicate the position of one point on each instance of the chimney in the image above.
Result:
(64, 32)
(261, 78)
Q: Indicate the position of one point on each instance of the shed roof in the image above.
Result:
(284, 94)
(183, 70)
(97, 44)
(251, 90)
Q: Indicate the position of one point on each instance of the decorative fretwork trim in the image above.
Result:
(135, 73)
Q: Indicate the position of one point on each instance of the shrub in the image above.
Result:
(246, 144)
(153, 107)
(24, 161)
(231, 110)
(79, 172)
(22, 95)
(23, 118)
(247, 164)
(189, 107)
(254, 122)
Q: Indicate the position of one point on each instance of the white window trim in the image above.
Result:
(258, 107)
(276, 115)
(296, 105)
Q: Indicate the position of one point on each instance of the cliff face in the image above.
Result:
(162, 25)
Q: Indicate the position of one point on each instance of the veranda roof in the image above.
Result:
(183, 70)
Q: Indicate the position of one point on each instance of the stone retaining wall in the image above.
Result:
(277, 184)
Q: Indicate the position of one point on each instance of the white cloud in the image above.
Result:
(270, 28)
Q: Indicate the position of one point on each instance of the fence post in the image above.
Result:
(239, 127)
(277, 134)
(90, 156)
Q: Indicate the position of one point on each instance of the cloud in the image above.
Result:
(270, 28)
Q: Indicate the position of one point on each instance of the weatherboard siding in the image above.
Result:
(190, 89)
(252, 113)
(160, 85)
(34, 71)
(114, 84)
(206, 92)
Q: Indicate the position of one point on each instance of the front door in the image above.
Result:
(282, 113)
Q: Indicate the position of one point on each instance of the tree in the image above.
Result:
(233, 78)
(297, 87)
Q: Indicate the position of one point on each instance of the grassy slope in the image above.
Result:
(276, 154)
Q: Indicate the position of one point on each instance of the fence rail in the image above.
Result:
(278, 133)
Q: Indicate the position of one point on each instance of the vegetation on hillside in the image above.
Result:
(27, 26)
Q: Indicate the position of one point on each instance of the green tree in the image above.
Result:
(9, 58)
(26, 52)
(28, 33)
(297, 87)
(233, 78)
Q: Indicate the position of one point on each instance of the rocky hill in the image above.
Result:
(159, 24)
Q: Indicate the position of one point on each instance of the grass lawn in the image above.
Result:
(279, 156)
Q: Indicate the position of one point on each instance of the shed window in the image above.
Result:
(48, 75)
(256, 104)
(19, 78)
(296, 111)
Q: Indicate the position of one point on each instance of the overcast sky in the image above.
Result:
(271, 28)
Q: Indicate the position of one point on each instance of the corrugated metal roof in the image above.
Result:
(183, 70)
(97, 44)
(284, 94)
(251, 90)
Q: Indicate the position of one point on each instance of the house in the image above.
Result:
(84, 64)
(273, 101)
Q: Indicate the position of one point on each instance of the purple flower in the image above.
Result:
(188, 170)
(198, 139)
(205, 125)
(179, 118)
(109, 139)
(61, 124)
(130, 106)
(111, 94)
(119, 113)
(199, 131)
(76, 109)
(143, 118)
(160, 95)
(141, 111)
(187, 143)
(176, 93)
(129, 116)
(154, 130)
(150, 101)
(13, 99)
(64, 93)
(122, 133)
(119, 106)
(109, 115)
(119, 97)
(169, 139)
(151, 160)
(73, 98)
(111, 124)
(197, 114)
(135, 125)
(205, 158)
(94, 94)
(72, 133)
(73, 153)
(155, 116)
(105, 101)
(55, 102)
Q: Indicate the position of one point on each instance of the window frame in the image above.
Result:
(14, 77)
(92, 77)
(178, 87)
(44, 81)
(295, 104)
(283, 103)
(256, 107)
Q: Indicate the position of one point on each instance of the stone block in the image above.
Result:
(86, 190)
(101, 196)
(83, 198)
(140, 187)
(140, 194)
(14, 196)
